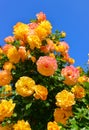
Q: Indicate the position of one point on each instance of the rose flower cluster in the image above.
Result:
(40, 88)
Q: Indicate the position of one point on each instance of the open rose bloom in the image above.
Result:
(71, 75)
(40, 88)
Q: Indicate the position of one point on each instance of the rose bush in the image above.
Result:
(40, 88)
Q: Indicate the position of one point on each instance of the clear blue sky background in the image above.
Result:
(72, 16)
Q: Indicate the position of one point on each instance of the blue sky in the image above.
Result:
(71, 16)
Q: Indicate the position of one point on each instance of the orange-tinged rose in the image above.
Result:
(71, 75)
(5, 77)
(46, 65)
(61, 115)
(21, 43)
(8, 66)
(32, 26)
(78, 91)
(45, 48)
(6, 47)
(62, 47)
(7, 127)
(41, 92)
(49, 47)
(22, 53)
(51, 44)
(65, 57)
(9, 39)
(41, 17)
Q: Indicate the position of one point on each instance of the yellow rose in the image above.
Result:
(6, 109)
(65, 99)
(22, 125)
(43, 29)
(24, 86)
(53, 126)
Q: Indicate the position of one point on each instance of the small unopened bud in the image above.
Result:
(71, 60)
(63, 34)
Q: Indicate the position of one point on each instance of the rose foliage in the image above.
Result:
(40, 88)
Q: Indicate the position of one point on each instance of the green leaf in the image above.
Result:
(86, 85)
(16, 43)
(28, 106)
(3, 124)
